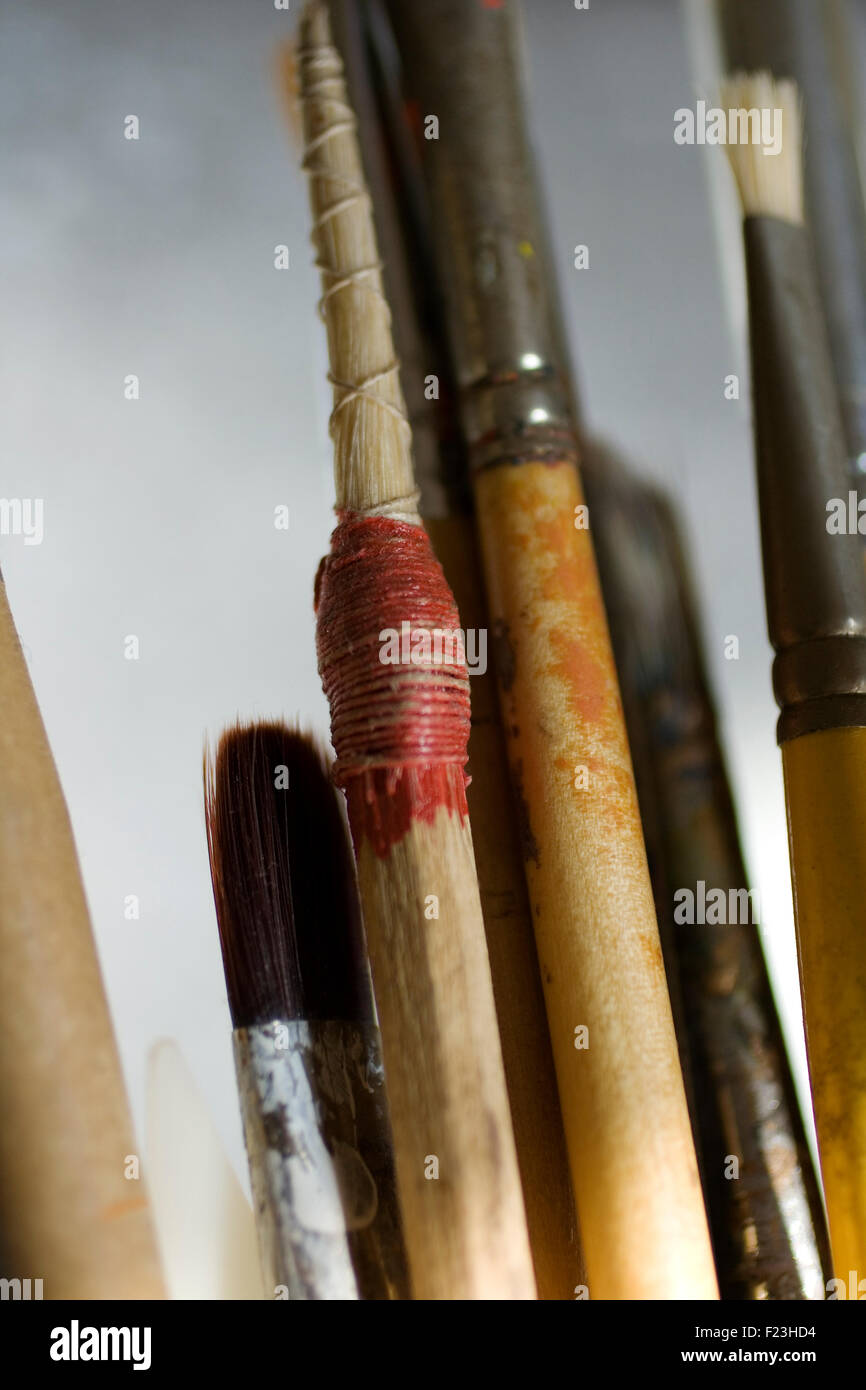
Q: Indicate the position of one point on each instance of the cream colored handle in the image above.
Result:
(457, 1171)
(68, 1213)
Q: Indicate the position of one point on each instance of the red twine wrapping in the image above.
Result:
(400, 731)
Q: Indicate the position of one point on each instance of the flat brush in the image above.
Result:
(445, 504)
(306, 1047)
(400, 727)
(816, 610)
(609, 1017)
(68, 1214)
(767, 1221)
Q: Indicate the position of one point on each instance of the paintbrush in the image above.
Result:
(400, 726)
(306, 1047)
(793, 39)
(615, 1050)
(765, 1209)
(73, 1211)
(445, 504)
(816, 611)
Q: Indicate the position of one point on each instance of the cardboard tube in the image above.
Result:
(68, 1214)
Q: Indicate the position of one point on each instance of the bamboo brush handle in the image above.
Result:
(465, 1228)
(825, 785)
(68, 1216)
(526, 1051)
(633, 1164)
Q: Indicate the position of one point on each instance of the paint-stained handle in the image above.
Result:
(313, 1102)
(825, 783)
(526, 1050)
(627, 1127)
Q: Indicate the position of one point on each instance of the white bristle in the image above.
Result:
(770, 181)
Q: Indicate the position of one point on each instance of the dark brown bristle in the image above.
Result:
(284, 880)
(248, 842)
(330, 937)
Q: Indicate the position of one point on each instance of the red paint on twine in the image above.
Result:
(401, 731)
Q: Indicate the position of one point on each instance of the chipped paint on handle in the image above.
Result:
(318, 1145)
(627, 1126)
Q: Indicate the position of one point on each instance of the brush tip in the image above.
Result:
(283, 879)
(764, 141)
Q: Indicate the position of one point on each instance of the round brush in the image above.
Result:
(306, 1046)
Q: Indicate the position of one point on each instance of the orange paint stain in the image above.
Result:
(519, 541)
(584, 675)
(569, 574)
(116, 1209)
(651, 947)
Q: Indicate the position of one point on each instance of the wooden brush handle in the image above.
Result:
(825, 786)
(68, 1215)
(633, 1164)
(456, 1165)
(529, 1070)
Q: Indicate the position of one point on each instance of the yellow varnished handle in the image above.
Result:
(825, 786)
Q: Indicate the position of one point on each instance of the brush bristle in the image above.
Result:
(283, 879)
(769, 184)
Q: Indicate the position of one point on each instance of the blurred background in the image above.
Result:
(154, 258)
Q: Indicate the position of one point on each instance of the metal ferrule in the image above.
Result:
(321, 1168)
(814, 579)
(491, 245)
(515, 416)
